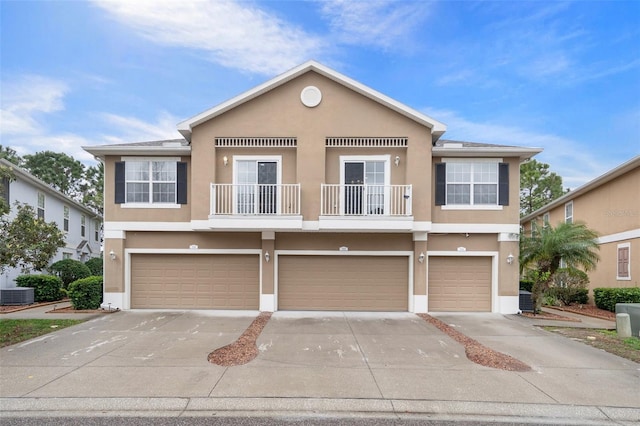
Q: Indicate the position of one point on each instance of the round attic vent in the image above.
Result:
(311, 96)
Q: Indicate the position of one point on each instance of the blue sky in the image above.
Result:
(564, 76)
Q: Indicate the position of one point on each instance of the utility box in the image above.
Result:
(526, 301)
(633, 309)
(17, 296)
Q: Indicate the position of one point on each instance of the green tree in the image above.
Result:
(93, 188)
(538, 186)
(10, 154)
(6, 176)
(27, 242)
(573, 243)
(59, 170)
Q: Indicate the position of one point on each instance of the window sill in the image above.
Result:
(623, 278)
(150, 206)
(470, 207)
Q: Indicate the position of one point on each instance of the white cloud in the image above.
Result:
(27, 103)
(236, 35)
(26, 98)
(565, 156)
(382, 23)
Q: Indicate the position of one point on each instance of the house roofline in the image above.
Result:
(22, 173)
(523, 153)
(186, 127)
(625, 167)
(100, 151)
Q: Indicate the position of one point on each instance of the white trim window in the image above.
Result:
(150, 182)
(568, 212)
(365, 182)
(545, 220)
(623, 270)
(65, 219)
(41, 204)
(472, 184)
(256, 181)
(96, 230)
(83, 225)
(67, 255)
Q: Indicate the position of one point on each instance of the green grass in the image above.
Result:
(14, 331)
(631, 342)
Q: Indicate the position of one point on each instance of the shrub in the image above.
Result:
(86, 293)
(95, 265)
(526, 285)
(46, 288)
(570, 286)
(606, 298)
(70, 270)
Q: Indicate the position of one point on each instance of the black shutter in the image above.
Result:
(441, 184)
(181, 188)
(120, 182)
(503, 184)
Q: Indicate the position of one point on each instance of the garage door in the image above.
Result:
(459, 284)
(349, 283)
(190, 281)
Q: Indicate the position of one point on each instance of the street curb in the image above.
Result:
(279, 407)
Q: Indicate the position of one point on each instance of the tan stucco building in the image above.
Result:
(312, 192)
(610, 205)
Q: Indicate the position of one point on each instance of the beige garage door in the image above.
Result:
(349, 283)
(194, 281)
(459, 284)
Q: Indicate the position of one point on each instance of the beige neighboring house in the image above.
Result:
(610, 205)
(312, 191)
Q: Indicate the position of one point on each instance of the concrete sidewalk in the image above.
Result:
(45, 312)
(382, 364)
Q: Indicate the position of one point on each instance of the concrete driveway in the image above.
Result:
(390, 357)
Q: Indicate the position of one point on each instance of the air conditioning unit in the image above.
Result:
(16, 296)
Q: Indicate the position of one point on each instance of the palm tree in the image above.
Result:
(574, 243)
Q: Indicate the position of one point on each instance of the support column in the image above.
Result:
(508, 273)
(267, 288)
(420, 265)
(114, 295)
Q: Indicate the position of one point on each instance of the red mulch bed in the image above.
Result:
(477, 352)
(70, 310)
(244, 349)
(588, 310)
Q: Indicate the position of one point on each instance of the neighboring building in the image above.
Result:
(610, 205)
(82, 226)
(312, 192)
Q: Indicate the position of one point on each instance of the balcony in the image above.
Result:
(366, 207)
(255, 206)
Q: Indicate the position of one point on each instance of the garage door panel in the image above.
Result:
(459, 284)
(180, 281)
(358, 283)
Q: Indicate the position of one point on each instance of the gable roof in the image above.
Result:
(612, 174)
(437, 128)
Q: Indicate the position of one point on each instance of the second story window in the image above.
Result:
(83, 225)
(96, 230)
(545, 220)
(462, 183)
(41, 201)
(153, 182)
(66, 219)
(568, 212)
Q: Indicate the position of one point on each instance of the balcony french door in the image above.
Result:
(257, 189)
(364, 189)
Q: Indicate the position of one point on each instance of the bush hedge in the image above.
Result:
(95, 265)
(46, 288)
(606, 298)
(526, 285)
(568, 295)
(70, 270)
(86, 293)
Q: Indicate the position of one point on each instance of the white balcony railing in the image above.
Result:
(365, 200)
(255, 199)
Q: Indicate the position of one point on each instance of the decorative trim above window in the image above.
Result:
(278, 142)
(623, 270)
(471, 184)
(351, 142)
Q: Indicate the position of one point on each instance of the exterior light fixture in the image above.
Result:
(421, 258)
(225, 160)
(267, 257)
(112, 255)
(510, 259)
(397, 161)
